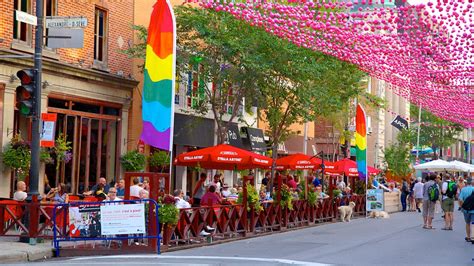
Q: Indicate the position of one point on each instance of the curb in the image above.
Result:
(23, 253)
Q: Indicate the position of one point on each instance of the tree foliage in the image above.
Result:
(435, 132)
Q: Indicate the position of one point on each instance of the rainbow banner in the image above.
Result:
(361, 142)
(159, 78)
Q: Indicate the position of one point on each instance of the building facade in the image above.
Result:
(89, 88)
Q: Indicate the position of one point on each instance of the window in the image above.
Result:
(196, 88)
(50, 9)
(100, 35)
(21, 31)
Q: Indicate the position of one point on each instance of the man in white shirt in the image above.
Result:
(112, 195)
(20, 194)
(418, 191)
(135, 189)
(180, 202)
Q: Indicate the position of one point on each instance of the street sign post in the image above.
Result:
(65, 22)
(26, 18)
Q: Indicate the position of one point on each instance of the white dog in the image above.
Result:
(379, 214)
(346, 212)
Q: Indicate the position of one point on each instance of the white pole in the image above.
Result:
(469, 138)
(418, 134)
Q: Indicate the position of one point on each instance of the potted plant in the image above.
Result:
(253, 199)
(159, 160)
(17, 156)
(286, 200)
(168, 215)
(133, 161)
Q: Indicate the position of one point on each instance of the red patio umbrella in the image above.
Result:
(223, 157)
(297, 161)
(348, 167)
(328, 165)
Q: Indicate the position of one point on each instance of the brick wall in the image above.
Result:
(120, 17)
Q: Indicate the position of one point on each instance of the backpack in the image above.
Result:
(452, 189)
(433, 192)
(468, 204)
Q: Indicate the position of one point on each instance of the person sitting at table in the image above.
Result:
(103, 183)
(225, 191)
(58, 194)
(20, 194)
(291, 183)
(179, 199)
(144, 194)
(135, 189)
(210, 198)
(320, 194)
(112, 195)
(120, 187)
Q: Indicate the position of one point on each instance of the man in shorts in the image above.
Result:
(468, 215)
(428, 205)
(449, 190)
(418, 193)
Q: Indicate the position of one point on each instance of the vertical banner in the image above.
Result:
(47, 134)
(361, 142)
(159, 78)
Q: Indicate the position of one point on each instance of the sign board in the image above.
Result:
(84, 221)
(65, 22)
(233, 136)
(256, 138)
(26, 18)
(375, 200)
(47, 134)
(65, 38)
(399, 123)
(122, 219)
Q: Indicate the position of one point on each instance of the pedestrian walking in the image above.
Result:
(430, 196)
(466, 197)
(411, 196)
(418, 193)
(404, 194)
(449, 190)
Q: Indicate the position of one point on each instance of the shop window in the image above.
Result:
(21, 30)
(77, 106)
(100, 36)
(50, 9)
(196, 88)
(57, 103)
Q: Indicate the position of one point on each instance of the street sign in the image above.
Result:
(26, 18)
(66, 38)
(65, 22)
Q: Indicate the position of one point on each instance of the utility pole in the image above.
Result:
(35, 127)
(418, 135)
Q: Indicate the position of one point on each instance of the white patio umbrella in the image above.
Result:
(437, 166)
(464, 167)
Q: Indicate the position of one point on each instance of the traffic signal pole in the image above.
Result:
(36, 122)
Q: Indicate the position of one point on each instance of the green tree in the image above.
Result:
(435, 132)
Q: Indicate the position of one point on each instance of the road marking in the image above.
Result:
(285, 261)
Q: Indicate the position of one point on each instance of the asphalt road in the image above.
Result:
(395, 241)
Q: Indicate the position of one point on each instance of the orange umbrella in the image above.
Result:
(223, 157)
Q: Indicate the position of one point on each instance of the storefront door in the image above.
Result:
(93, 136)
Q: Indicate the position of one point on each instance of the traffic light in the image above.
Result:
(25, 101)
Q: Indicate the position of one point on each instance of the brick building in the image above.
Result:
(89, 88)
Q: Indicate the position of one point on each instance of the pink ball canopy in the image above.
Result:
(424, 52)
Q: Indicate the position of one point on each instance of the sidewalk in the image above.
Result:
(13, 251)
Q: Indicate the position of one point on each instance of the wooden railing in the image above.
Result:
(233, 221)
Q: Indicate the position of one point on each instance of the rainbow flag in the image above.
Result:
(159, 78)
(361, 142)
